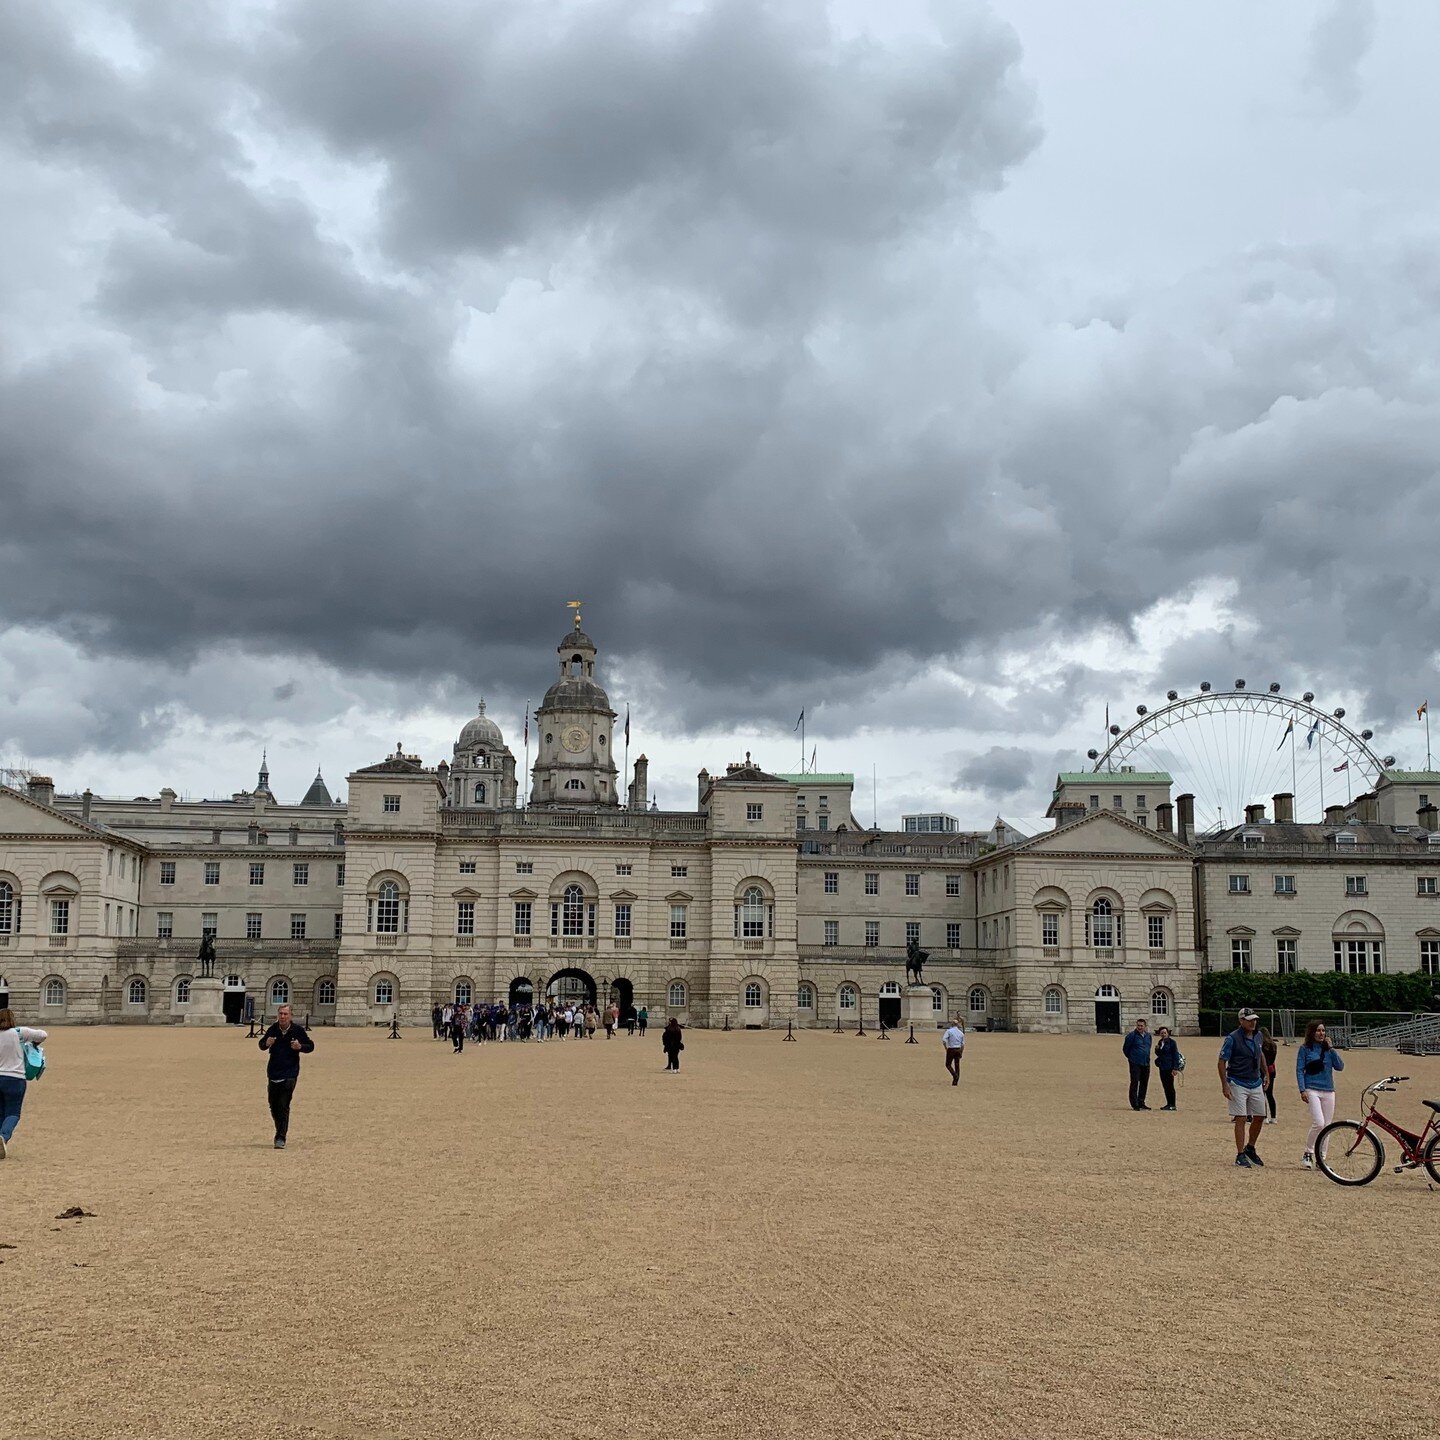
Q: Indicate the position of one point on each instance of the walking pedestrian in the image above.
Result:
(1168, 1060)
(437, 1016)
(642, 1019)
(591, 1022)
(1270, 1050)
(1136, 1047)
(457, 1032)
(13, 1084)
(286, 1043)
(1315, 1067)
(1242, 1082)
(954, 1042)
(672, 1043)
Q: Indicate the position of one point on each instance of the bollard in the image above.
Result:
(912, 1040)
(790, 1030)
(884, 1033)
(395, 1028)
(726, 1025)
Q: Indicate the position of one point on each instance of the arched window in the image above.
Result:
(54, 992)
(480, 792)
(8, 918)
(752, 914)
(572, 911)
(280, 991)
(677, 995)
(847, 997)
(753, 997)
(979, 1000)
(384, 991)
(1107, 992)
(1102, 924)
(462, 992)
(805, 997)
(182, 990)
(890, 987)
(574, 785)
(135, 991)
(937, 1000)
(325, 992)
(234, 982)
(1160, 1002)
(387, 912)
(577, 665)
(1054, 1001)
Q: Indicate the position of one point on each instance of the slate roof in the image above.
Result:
(317, 794)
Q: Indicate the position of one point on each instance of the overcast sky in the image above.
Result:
(950, 372)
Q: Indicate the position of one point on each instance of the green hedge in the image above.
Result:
(1323, 990)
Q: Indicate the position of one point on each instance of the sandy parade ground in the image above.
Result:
(814, 1239)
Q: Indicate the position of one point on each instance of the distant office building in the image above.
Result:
(930, 824)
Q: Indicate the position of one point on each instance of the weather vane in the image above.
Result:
(575, 606)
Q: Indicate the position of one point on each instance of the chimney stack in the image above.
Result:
(1369, 808)
(1254, 814)
(1284, 808)
(1428, 816)
(1334, 814)
(704, 783)
(41, 789)
(86, 800)
(167, 800)
(1185, 817)
(640, 785)
(1067, 813)
(1165, 817)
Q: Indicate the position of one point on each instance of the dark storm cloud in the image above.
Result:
(380, 331)
(1001, 772)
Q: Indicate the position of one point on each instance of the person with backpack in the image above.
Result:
(672, 1043)
(1315, 1067)
(17, 1068)
(1168, 1060)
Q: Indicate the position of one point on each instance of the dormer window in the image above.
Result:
(1344, 837)
(1252, 837)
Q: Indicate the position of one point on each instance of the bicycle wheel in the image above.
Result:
(1348, 1154)
(1432, 1157)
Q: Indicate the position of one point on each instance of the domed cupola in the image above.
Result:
(482, 772)
(574, 766)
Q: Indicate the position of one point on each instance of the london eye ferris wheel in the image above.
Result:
(1238, 747)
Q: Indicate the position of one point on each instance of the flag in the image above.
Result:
(527, 722)
(800, 721)
(1423, 711)
(1289, 730)
(813, 753)
(627, 724)
(1338, 768)
(1310, 738)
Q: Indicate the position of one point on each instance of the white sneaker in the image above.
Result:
(1307, 1160)
(1270, 1121)
(2, 1147)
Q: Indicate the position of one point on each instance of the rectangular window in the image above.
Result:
(754, 811)
(832, 932)
(622, 921)
(678, 924)
(340, 875)
(1284, 884)
(1430, 957)
(952, 935)
(872, 882)
(912, 932)
(391, 805)
(912, 884)
(210, 923)
(679, 872)
(1425, 885)
(164, 924)
(297, 925)
(1240, 953)
(1355, 885)
(1286, 960)
(624, 869)
(522, 917)
(799, 822)
(1118, 802)
(1050, 931)
(1239, 884)
(257, 874)
(824, 800)
(1139, 802)
(824, 822)
(524, 867)
(952, 884)
(465, 917)
(167, 872)
(872, 932)
(252, 925)
(1155, 925)
(302, 874)
(832, 882)
(59, 917)
(1358, 957)
(339, 924)
(467, 867)
(1094, 802)
(212, 872)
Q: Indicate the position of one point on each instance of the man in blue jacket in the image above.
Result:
(1137, 1052)
(1242, 1081)
(286, 1042)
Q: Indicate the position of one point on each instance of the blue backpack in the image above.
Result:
(34, 1058)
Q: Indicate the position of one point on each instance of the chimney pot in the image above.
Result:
(1165, 817)
(41, 789)
(1185, 817)
(1254, 814)
(1284, 808)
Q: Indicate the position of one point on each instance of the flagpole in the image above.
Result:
(1294, 780)
(1320, 760)
(525, 783)
(802, 742)
(1427, 734)
(625, 778)
(1347, 782)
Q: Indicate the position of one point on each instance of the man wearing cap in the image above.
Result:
(1242, 1081)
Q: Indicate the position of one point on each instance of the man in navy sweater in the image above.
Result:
(1137, 1052)
(286, 1042)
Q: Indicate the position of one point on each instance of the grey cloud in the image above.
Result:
(1340, 39)
(1002, 771)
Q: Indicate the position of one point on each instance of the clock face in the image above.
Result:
(574, 739)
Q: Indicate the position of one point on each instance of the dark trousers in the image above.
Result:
(1139, 1084)
(12, 1098)
(457, 1034)
(672, 1059)
(1270, 1096)
(952, 1064)
(1167, 1081)
(281, 1092)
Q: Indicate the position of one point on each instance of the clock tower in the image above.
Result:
(576, 726)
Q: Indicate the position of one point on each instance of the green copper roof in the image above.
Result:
(1108, 777)
(1411, 777)
(836, 777)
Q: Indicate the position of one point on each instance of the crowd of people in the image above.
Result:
(549, 1020)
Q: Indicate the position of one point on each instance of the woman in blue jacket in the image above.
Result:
(1167, 1062)
(1315, 1066)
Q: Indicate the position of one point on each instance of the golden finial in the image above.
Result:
(575, 606)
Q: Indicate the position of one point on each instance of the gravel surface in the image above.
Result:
(818, 1239)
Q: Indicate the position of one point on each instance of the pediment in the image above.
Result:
(1103, 832)
(1241, 930)
(1286, 932)
(676, 897)
(19, 815)
(524, 893)
(623, 895)
(466, 894)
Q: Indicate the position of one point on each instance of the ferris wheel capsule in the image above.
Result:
(1274, 687)
(1308, 696)
(1142, 709)
(1388, 761)
(1239, 684)
(1204, 687)
(1114, 729)
(1367, 734)
(1172, 694)
(1339, 713)
(1092, 754)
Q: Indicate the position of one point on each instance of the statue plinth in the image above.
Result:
(918, 1007)
(206, 1001)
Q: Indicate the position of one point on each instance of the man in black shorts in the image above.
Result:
(286, 1042)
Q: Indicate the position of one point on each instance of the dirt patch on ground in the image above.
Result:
(800, 1240)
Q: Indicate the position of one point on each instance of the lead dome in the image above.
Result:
(480, 732)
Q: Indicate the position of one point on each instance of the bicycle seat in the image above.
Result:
(1433, 1104)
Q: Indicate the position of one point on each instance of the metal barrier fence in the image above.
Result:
(1343, 1028)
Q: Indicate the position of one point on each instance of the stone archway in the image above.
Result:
(522, 992)
(572, 986)
(622, 993)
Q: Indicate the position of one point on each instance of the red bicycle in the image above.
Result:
(1352, 1154)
